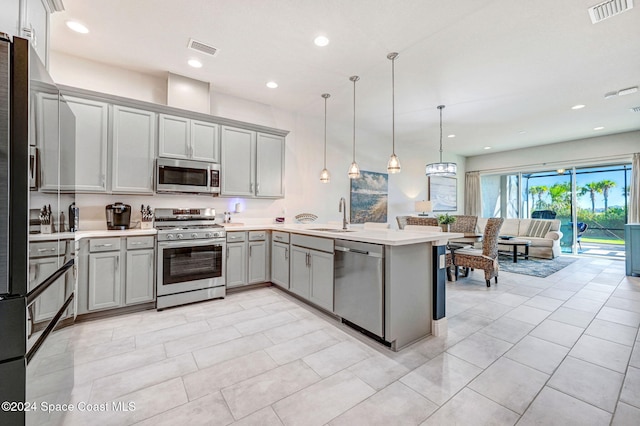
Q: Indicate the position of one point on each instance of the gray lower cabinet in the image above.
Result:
(139, 286)
(311, 269)
(121, 272)
(104, 280)
(236, 264)
(632, 242)
(280, 259)
(46, 257)
(247, 258)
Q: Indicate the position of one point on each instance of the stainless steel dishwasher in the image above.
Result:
(359, 285)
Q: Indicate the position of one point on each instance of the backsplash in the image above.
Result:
(92, 207)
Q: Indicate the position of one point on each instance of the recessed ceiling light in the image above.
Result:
(579, 106)
(598, 128)
(77, 27)
(272, 85)
(522, 132)
(451, 136)
(321, 41)
(195, 63)
(627, 91)
(487, 147)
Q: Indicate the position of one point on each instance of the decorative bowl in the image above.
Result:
(305, 218)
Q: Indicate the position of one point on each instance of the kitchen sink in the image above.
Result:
(331, 230)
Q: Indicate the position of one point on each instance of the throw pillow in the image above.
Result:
(538, 228)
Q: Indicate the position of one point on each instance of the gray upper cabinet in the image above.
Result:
(238, 161)
(91, 147)
(252, 164)
(133, 150)
(35, 26)
(205, 145)
(47, 132)
(180, 137)
(269, 166)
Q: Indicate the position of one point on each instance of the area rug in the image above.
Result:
(535, 267)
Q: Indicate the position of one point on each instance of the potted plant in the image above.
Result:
(445, 221)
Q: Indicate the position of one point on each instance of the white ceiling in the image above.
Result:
(501, 67)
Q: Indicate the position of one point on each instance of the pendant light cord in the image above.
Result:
(354, 79)
(393, 106)
(325, 129)
(440, 107)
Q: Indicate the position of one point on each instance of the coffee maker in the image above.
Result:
(118, 216)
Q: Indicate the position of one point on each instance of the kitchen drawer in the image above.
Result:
(316, 243)
(235, 237)
(257, 235)
(280, 237)
(104, 244)
(47, 248)
(140, 242)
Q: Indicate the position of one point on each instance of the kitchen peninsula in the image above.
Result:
(408, 268)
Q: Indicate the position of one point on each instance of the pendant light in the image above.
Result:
(393, 166)
(441, 169)
(354, 170)
(324, 174)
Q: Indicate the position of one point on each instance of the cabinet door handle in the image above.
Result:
(251, 187)
(103, 245)
(117, 263)
(40, 250)
(286, 254)
(250, 247)
(136, 243)
(257, 188)
(227, 254)
(278, 237)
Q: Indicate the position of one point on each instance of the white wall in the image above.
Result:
(592, 151)
(304, 151)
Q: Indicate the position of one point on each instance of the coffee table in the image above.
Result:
(515, 243)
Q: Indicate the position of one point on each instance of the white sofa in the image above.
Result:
(546, 247)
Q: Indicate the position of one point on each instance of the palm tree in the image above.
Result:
(605, 185)
(559, 192)
(539, 191)
(592, 188)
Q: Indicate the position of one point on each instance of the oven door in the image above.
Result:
(190, 265)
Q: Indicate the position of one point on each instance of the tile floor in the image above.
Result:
(560, 350)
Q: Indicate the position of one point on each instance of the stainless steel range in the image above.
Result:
(191, 256)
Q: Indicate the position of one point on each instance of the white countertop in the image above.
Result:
(101, 233)
(390, 237)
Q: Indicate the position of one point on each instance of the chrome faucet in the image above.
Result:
(342, 207)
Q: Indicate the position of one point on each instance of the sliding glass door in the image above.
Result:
(590, 202)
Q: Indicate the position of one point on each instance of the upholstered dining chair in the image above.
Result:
(485, 259)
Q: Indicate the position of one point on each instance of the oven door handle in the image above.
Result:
(190, 243)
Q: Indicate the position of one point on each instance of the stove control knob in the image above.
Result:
(170, 237)
(194, 235)
(180, 236)
(208, 235)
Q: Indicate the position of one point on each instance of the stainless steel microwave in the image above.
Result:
(185, 176)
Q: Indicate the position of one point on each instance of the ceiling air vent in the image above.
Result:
(609, 8)
(202, 47)
(636, 109)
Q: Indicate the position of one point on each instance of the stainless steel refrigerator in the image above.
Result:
(36, 358)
